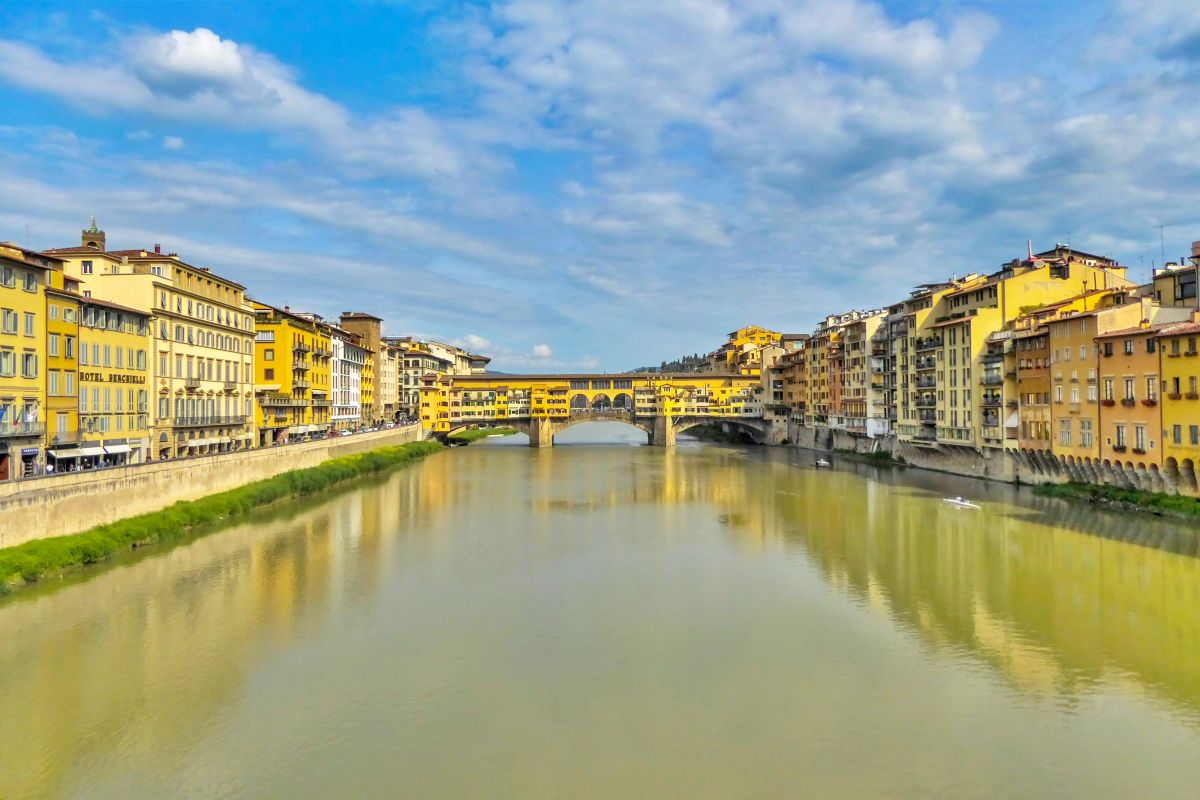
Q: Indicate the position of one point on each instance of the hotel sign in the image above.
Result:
(112, 377)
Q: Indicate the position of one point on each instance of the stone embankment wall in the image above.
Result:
(1011, 466)
(76, 501)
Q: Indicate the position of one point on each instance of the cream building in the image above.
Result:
(202, 348)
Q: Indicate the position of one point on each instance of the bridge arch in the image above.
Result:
(579, 402)
(601, 402)
(623, 402)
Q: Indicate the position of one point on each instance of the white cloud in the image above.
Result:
(542, 351)
(172, 143)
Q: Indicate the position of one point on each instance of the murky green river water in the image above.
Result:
(616, 621)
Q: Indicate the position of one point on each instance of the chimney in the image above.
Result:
(157, 248)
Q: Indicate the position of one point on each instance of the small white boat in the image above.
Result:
(823, 464)
(958, 502)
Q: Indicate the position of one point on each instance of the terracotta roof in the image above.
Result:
(1181, 328)
(1140, 329)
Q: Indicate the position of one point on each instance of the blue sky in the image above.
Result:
(601, 184)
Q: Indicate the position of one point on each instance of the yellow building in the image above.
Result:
(114, 387)
(1179, 363)
(742, 353)
(962, 380)
(291, 375)
(203, 350)
(24, 274)
(62, 366)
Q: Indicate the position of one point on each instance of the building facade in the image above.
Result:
(24, 274)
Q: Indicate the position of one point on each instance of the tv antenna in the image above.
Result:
(1162, 247)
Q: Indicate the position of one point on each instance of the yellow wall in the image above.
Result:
(1179, 355)
(115, 377)
(23, 364)
(62, 368)
(291, 373)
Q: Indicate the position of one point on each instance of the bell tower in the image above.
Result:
(93, 237)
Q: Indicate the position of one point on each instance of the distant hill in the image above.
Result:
(691, 363)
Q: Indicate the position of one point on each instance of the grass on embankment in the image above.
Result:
(1129, 499)
(35, 560)
(475, 434)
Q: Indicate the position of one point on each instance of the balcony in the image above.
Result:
(301, 366)
(301, 383)
(925, 383)
(992, 401)
(926, 401)
(199, 422)
(992, 380)
(300, 347)
(231, 386)
(928, 343)
(191, 383)
(926, 363)
(992, 358)
(322, 352)
(17, 429)
(320, 404)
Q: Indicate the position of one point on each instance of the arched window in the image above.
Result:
(601, 401)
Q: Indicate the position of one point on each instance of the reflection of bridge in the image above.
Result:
(542, 406)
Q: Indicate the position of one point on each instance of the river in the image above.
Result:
(606, 620)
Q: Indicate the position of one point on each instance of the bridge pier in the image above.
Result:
(541, 432)
(663, 434)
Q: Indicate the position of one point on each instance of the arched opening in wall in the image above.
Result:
(579, 402)
(623, 402)
(724, 431)
(602, 402)
(1171, 467)
(1187, 475)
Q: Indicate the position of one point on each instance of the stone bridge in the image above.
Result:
(541, 406)
(661, 429)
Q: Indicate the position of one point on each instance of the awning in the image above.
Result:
(1013, 420)
(91, 450)
(113, 449)
(66, 452)
(219, 440)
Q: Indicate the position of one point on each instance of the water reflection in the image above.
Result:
(124, 683)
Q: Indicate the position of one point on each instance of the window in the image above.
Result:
(1194, 434)
(1174, 347)
(83, 355)
(55, 343)
(31, 282)
(69, 389)
(53, 311)
(1058, 394)
(8, 277)
(70, 346)
(1083, 352)
(1177, 434)
(11, 321)
(87, 267)
(1139, 437)
(1129, 388)
(1151, 387)
(29, 365)
(1085, 433)
(83, 401)
(1150, 345)
(268, 354)
(30, 321)
(1064, 431)
(52, 380)
(1120, 436)
(269, 374)
(1091, 395)
(8, 363)
(1129, 347)
(1074, 394)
